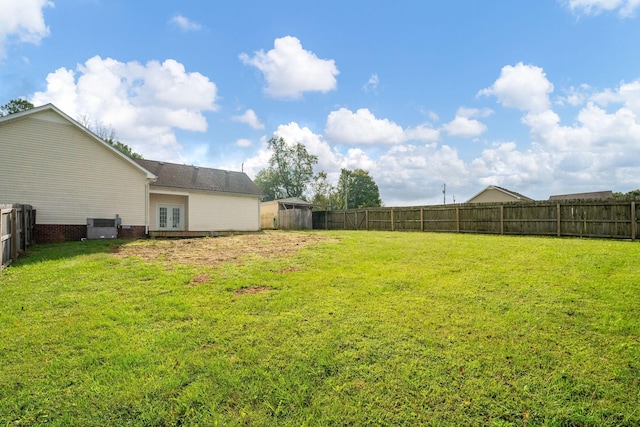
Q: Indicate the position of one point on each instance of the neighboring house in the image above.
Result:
(286, 214)
(595, 195)
(69, 175)
(495, 194)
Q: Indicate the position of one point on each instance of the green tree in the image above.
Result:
(289, 173)
(267, 181)
(109, 135)
(630, 194)
(322, 191)
(357, 189)
(15, 106)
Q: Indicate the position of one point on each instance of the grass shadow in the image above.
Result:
(56, 251)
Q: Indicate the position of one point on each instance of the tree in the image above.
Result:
(630, 194)
(109, 135)
(15, 106)
(323, 191)
(357, 189)
(289, 173)
(267, 181)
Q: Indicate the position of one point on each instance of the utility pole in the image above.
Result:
(444, 194)
(346, 196)
(346, 190)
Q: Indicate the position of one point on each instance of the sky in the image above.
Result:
(539, 97)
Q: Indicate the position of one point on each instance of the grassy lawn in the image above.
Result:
(368, 328)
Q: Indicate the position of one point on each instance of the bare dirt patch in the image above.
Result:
(253, 290)
(217, 250)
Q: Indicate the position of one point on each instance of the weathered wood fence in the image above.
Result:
(16, 231)
(294, 219)
(613, 219)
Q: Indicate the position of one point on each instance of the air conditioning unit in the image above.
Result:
(102, 228)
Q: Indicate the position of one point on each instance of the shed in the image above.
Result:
(286, 214)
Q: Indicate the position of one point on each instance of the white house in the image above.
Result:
(70, 175)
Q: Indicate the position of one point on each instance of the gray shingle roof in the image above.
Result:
(513, 193)
(600, 195)
(174, 175)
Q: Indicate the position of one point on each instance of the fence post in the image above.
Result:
(458, 219)
(558, 222)
(366, 219)
(634, 221)
(393, 222)
(501, 219)
(14, 234)
(421, 219)
(1, 240)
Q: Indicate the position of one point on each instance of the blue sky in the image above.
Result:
(541, 97)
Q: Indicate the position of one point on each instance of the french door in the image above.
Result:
(170, 217)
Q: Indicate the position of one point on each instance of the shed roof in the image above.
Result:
(188, 177)
(294, 201)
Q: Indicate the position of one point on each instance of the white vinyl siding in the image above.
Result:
(218, 212)
(67, 175)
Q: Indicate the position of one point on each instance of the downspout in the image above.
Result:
(146, 207)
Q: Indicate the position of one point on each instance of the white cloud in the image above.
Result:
(422, 133)
(249, 117)
(290, 70)
(22, 21)
(328, 159)
(363, 128)
(598, 151)
(504, 165)
(243, 142)
(463, 125)
(415, 174)
(628, 94)
(522, 86)
(185, 24)
(144, 103)
(575, 96)
(372, 84)
(586, 155)
(625, 8)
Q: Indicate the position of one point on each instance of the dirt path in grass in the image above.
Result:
(217, 250)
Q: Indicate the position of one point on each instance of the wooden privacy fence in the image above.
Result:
(294, 219)
(16, 231)
(611, 219)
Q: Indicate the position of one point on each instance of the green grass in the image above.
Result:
(378, 329)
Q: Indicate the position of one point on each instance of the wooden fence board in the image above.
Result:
(16, 231)
(613, 219)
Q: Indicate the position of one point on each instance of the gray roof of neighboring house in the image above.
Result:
(599, 195)
(187, 177)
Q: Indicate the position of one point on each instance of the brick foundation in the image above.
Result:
(56, 233)
(135, 232)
